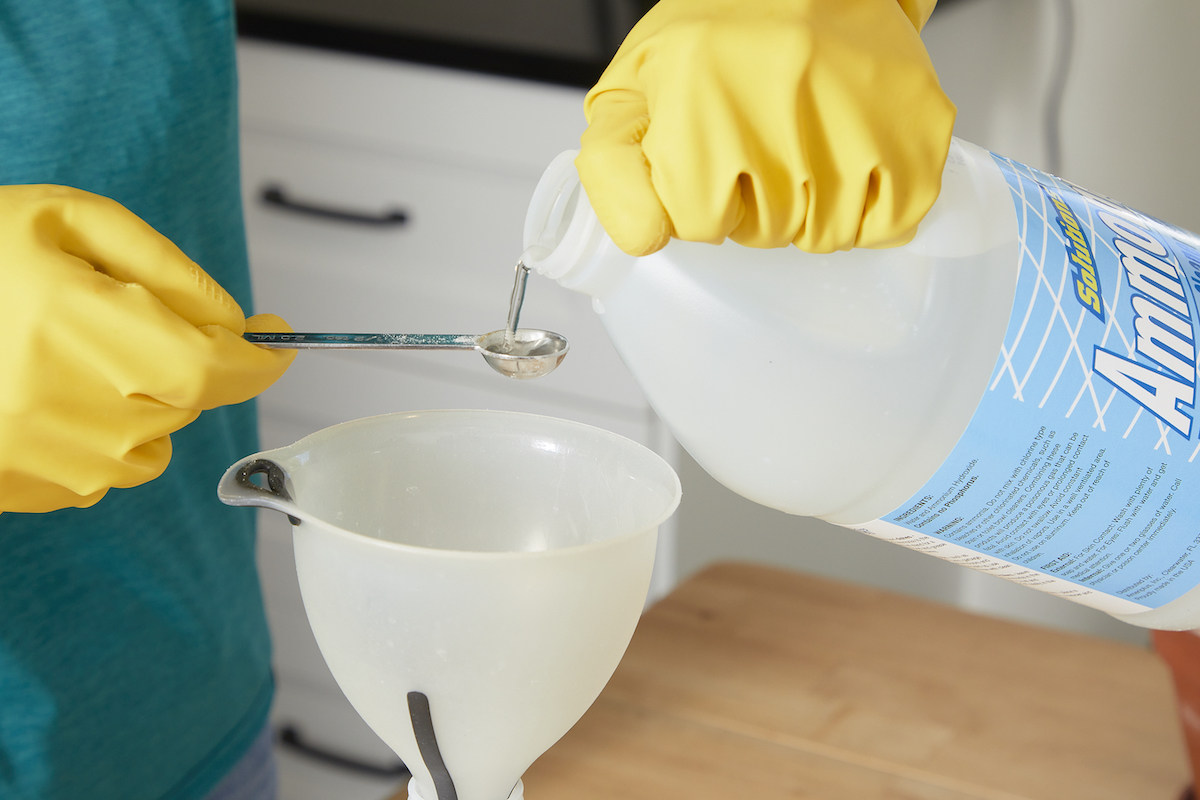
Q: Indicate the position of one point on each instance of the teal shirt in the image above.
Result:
(134, 656)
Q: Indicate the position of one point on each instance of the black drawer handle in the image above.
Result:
(289, 737)
(275, 196)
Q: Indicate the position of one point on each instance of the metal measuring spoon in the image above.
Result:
(516, 352)
(532, 354)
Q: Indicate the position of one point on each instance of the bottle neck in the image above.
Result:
(562, 233)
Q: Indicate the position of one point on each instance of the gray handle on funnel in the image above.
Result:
(236, 488)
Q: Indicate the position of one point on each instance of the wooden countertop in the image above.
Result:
(750, 682)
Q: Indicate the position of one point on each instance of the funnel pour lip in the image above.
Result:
(295, 450)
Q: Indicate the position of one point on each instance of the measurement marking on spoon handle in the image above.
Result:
(364, 341)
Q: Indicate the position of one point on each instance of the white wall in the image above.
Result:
(1131, 115)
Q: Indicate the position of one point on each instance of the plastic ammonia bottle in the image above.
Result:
(1014, 390)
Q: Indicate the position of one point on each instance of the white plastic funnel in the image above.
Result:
(472, 577)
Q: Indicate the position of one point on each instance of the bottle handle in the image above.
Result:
(973, 212)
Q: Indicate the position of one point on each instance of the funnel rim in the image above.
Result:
(288, 451)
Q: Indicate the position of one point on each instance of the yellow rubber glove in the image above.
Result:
(814, 122)
(110, 339)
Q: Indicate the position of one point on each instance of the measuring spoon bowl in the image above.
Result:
(531, 353)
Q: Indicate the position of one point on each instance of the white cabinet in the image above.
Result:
(458, 156)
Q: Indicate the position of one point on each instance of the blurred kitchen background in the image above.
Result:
(446, 111)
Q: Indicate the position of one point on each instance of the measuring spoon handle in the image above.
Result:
(364, 341)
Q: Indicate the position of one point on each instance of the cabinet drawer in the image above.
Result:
(450, 263)
(449, 269)
(390, 106)
(329, 724)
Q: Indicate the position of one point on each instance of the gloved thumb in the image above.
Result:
(616, 175)
(235, 370)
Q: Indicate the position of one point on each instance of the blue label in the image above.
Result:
(1078, 462)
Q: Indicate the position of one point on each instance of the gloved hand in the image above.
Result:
(814, 122)
(110, 339)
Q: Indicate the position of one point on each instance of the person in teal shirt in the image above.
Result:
(134, 651)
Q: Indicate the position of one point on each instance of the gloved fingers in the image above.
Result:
(238, 370)
(875, 183)
(113, 341)
(616, 175)
(159, 355)
(729, 160)
(267, 323)
(117, 243)
(814, 122)
(725, 159)
(80, 439)
(923, 128)
(79, 483)
(29, 494)
(808, 164)
(139, 344)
